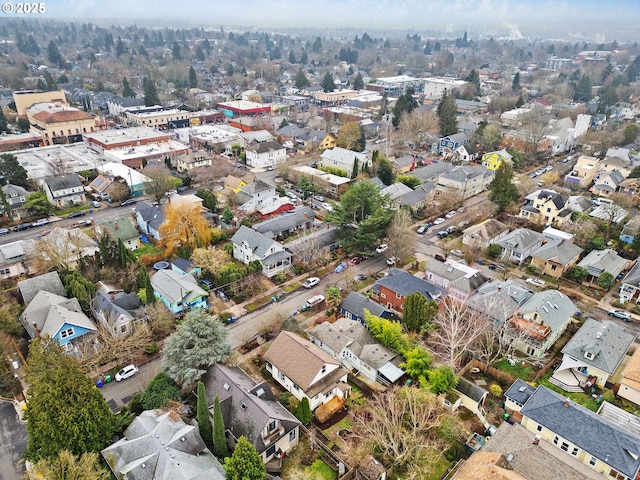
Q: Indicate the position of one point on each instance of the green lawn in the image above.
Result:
(583, 399)
(322, 470)
(525, 373)
(147, 249)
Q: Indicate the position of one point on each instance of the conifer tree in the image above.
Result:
(219, 440)
(202, 415)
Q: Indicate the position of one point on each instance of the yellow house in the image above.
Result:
(58, 123)
(594, 440)
(26, 98)
(330, 141)
(584, 171)
(630, 381)
(545, 207)
(493, 160)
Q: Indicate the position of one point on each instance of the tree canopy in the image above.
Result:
(351, 136)
(406, 103)
(184, 226)
(447, 115)
(245, 463)
(151, 97)
(38, 205)
(199, 342)
(159, 391)
(503, 191)
(327, 83)
(56, 420)
(11, 171)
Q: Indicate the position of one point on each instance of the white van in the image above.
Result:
(315, 301)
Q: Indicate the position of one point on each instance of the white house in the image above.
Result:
(64, 190)
(265, 154)
(249, 245)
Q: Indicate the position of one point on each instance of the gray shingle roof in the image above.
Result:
(396, 190)
(560, 251)
(585, 429)
(257, 242)
(606, 341)
(633, 276)
(487, 230)
(432, 172)
(48, 312)
(521, 240)
(355, 304)
(63, 182)
(153, 216)
(174, 286)
(288, 221)
(606, 260)
(470, 389)
(49, 282)
(553, 307)
(520, 391)
(405, 284)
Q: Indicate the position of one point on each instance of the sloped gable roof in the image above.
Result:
(49, 282)
(487, 230)
(257, 242)
(560, 251)
(404, 283)
(174, 286)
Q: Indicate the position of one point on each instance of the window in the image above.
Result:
(66, 333)
(592, 461)
(324, 369)
(292, 435)
(281, 376)
(272, 425)
(616, 475)
(575, 451)
(398, 296)
(539, 428)
(564, 447)
(555, 440)
(5, 271)
(588, 355)
(271, 451)
(243, 406)
(226, 386)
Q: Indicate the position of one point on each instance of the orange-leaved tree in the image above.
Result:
(184, 226)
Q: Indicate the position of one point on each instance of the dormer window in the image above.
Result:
(588, 355)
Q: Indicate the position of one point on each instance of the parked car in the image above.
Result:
(206, 282)
(442, 234)
(79, 213)
(292, 196)
(22, 226)
(319, 198)
(126, 372)
(536, 281)
(497, 267)
(95, 204)
(340, 268)
(548, 168)
(457, 253)
(223, 296)
(327, 206)
(40, 222)
(129, 201)
(621, 314)
(451, 214)
(4, 231)
(422, 229)
(440, 258)
(461, 210)
(451, 229)
(311, 282)
(438, 221)
(313, 301)
(391, 261)
(381, 248)
(355, 261)
(359, 277)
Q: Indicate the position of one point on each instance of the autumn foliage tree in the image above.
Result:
(184, 226)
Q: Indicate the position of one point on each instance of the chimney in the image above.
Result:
(115, 225)
(113, 296)
(566, 403)
(35, 327)
(536, 440)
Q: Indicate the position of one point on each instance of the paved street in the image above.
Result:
(118, 394)
(13, 442)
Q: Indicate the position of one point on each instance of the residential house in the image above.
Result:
(630, 186)
(592, 356)
(251, 410)
(236, 183)
(579, 204)
(630, 381)
(12, 260)
(326, 183)
(550, 233)
(120, 229)
(465, 181)
(186, 162)
(539, 322)
(185, 267)
(513, 118)
(607, 183)
(493, 160)
(519, 244)
(630, 230)
(64, 190)
(296, 220)
(404, 164)
(328, 142)
(500, 300)
(63, 246)
(306, 371)
(514, 453)
(599, 261)
(630, 285)
(457, 279)
(101, 186)
(467, 394)
(149, 218)
(354, 305)
(484, 234)
(419, 197)
(275, 206)
(16, 196)
(609, 212)
(255, 196)
(249, 246)
(60, 318)
(49, 282)
(394, 192)
(545, 206)
(353, 344)
(517, 395)
(592, 439)
(161, 445)
(135, 180)
(432, 172)
(178, 292)
(312, 140)
(116, 310)
(583, 173)
(392, 289)
(447, 145)
(611, 163)
(343, 159)
(556, 257)
(265, 154)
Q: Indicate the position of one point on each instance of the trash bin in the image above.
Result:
(233, 319)
(99, 384)
(107, 379)
(90, 211)
(278, 297)
(506, 416)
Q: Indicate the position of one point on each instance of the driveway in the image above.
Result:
(13, 443)
(118, 394)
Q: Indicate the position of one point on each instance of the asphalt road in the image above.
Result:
(118, 394)
(13, 443)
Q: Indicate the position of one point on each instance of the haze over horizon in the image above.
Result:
(585, 17)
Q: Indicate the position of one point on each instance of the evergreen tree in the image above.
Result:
(219, 439)
(127, 91)
(503, 191)
(148, 291)
(354, 171)
(447, 115)
(4, 125)
(245, 463)
(327, 83)
(301, 79)
(202, 416)
(358, 82)
(317, 45)
(151, 97)
(175, 51)
(385, 171)
(418, 312)
(583, 88)
(292, 57)
(193, 78)
(515, 84)
(303, 411)
(23, 125)
(406, 103)
(54, 56)
(6, 208)
(304, 58)
(121, 47)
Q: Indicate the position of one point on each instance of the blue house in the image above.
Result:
(184, 266)
(448, 145)
(58, 317)
(354, 305)
(179, 292)
(149, 218)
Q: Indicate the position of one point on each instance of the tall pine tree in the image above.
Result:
(202, 415)
(151, 97)
(447, 115)
(219, 439)
(127, 91)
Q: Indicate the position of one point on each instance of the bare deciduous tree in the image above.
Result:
(458, 331)
(400, 237)
(160, 182)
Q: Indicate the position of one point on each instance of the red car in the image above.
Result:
(355, 261)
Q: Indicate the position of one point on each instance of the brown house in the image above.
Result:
(392, 290)
(556, 257)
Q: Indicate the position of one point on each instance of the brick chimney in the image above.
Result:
(115, 225)
(566, 403)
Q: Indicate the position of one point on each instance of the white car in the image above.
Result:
(391, 261)
(327, 207)
(621, 314)
(126, 372)
(315, 300)
(451, 214)
(548, 168)
(39, 223)
(311, 282)
(457, 253)
(536, 281)
(438, 221)
(381, 248)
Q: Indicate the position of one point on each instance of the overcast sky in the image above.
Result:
(396, 14)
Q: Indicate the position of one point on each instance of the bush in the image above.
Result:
(161, 389)
(151, 349)
(494, 250)
(496, 390)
